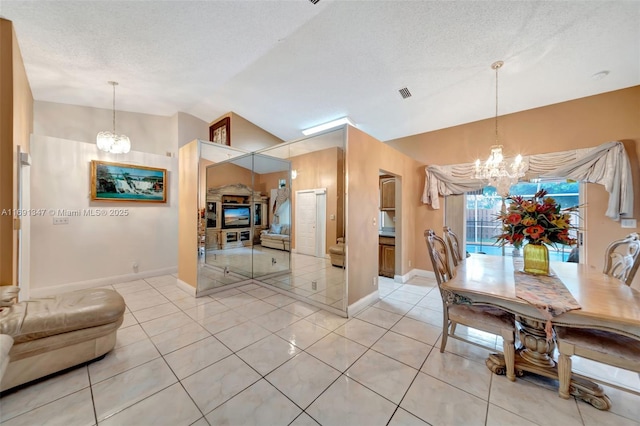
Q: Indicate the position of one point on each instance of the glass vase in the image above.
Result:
(536, 259)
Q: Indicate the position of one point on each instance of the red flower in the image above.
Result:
(514, 218)
(534, 232)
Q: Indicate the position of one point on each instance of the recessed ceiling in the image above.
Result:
(290, 65)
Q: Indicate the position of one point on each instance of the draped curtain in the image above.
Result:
(606, 165)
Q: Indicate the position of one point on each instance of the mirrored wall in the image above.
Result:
(277, 216)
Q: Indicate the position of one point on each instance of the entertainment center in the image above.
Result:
(235, 215)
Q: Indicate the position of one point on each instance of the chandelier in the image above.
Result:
(498, 172)
(111, 141)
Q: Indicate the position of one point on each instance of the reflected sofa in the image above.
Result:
(277, 237)
(54, 333)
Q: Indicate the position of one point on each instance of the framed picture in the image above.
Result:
(126, 182)
(220, 131)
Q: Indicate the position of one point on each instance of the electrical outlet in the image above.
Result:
(375, 281)
(409, 263)
(314, 285)
(134, 266)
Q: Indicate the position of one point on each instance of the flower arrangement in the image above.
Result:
(538, 220)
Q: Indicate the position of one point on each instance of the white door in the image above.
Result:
(306, 222)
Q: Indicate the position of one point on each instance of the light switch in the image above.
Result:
(628, 223)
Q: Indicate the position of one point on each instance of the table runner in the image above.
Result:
(546, 292)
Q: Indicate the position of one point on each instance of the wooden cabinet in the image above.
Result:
(387, 194)
(387, 257)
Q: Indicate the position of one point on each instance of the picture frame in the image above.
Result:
(127, 182)
(220, 131)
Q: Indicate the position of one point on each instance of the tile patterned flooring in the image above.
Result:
(251, 356)
(311, 277)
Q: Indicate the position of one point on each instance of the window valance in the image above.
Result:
(606, 164)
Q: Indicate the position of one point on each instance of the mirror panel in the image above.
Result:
(295, 193)
(272, 218)
(225, 179)
(317, 218)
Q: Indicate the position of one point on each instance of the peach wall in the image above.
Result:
(580, 123)
(365, 157)
(320, 169)
(188, 214)
(227, 174)
(16, 126)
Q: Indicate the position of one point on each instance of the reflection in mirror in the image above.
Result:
(317, 218)
(224, 231)
(272, 219)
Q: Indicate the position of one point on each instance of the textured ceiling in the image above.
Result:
(289, 65)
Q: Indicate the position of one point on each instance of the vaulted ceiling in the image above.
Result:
(289, 65)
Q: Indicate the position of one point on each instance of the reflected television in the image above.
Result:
(236, 217)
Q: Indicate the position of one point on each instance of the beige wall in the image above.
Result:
(365, 157)
(188, 214)
(155, 134)
(16, 126)
(247, 136)
(227, 174)
(580, 123)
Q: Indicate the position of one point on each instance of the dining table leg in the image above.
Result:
(535, 355)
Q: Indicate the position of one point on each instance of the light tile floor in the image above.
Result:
(311, 277)
(247, 356)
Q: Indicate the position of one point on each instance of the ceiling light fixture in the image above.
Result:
(112, 142)
(327, 126)
(499, 173)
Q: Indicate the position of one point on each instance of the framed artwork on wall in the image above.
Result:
(220, 132)
(126, 182)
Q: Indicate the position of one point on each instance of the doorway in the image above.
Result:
(310, 227)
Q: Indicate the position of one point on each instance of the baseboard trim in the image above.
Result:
(98, 282)
(363, 303)
(414, 273)
(186, 287)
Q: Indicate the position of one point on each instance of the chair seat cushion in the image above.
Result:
(604, 342)
(476, 314)
(76, 310)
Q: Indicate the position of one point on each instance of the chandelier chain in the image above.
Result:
(496, 68)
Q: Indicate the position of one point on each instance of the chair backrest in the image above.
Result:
(454, 245)
(439, 254)
(622, 258)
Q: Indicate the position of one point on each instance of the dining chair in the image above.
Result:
(622, 258)
(485, 318)
(602, 346)
(454, 245)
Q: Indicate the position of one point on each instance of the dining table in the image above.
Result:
(603, 303)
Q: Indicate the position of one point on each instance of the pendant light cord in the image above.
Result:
(114, 107)
(496, 68)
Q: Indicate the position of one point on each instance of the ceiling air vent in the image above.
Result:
(314, 1)
(405, 93)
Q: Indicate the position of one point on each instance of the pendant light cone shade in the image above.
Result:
(111, 141)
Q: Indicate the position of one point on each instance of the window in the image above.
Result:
(484, 205)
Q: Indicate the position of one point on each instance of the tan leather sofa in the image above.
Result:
(54, 333)
(277, 237)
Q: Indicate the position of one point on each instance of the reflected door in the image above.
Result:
(310, 222)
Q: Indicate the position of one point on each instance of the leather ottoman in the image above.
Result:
(54, 333)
